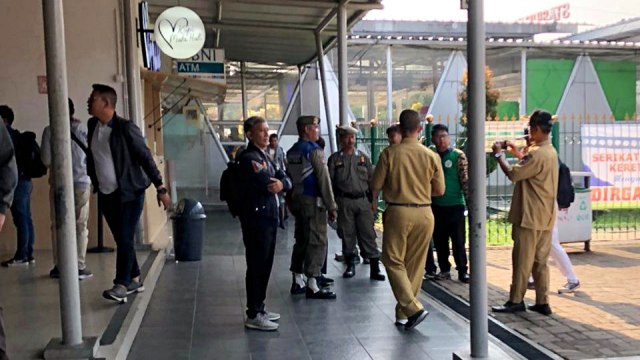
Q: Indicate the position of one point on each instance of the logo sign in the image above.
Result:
(206, 64)
(179, 32)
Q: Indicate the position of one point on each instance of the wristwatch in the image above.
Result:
(497, 155)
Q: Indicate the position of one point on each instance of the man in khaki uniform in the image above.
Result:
(532, 214)
(351, 171)
(408, 175)
(311, 199)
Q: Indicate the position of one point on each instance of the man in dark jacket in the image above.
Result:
(261, 183)
(21, 206)
(121, 167)
(8, 182)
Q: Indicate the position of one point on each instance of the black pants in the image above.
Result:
(430, 267)
(449, 224)
(3, 342)
(259, 237)
(122, 218)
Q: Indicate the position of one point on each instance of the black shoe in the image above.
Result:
(54, 273)
(429, 275)
(509, 307)
(324, 281)
(415, 319)
(463, 277)
(350, 271)
(297, 289)
(375, 273)
(543, 309)
(320, 294)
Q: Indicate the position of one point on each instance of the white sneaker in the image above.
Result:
(260, 322)
(569, 288)
(272, 316)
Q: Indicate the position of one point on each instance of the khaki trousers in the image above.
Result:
(310, 248)
(406, 237)
(529, 256)
(81, 202)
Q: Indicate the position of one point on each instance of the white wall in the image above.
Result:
(92, 55)
(93, 50)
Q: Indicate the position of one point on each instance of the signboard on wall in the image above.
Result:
(554, 14)
(207, 64)
(150, 49)
(611, 152)
(179, 32)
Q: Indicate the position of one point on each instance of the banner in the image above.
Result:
(611, 152)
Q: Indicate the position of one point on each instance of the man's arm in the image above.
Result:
(324, 182)
(437, 181)
(463, 173)
(526, 168)
(8, 172)
(141, 153)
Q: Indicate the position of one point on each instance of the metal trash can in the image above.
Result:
(188, 230)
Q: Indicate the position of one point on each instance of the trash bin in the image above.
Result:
(188, 230)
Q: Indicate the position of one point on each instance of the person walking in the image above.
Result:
(408, 174)
(122, 168)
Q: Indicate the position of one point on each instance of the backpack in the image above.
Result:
(28, 156)
(230, 187)
(566, 193)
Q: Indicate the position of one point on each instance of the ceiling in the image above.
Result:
(276, 32)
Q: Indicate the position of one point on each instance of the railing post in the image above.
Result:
(375, 153)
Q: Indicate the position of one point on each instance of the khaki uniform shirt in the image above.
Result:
(350, 174)
(536, 179)
(408, 173)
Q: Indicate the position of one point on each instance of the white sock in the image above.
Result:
(299, 279)
(313, 285)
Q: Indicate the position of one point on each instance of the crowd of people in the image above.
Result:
(426, 194)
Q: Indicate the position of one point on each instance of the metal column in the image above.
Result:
(477, 175)
(243, 87)
(63, 180)
(342, 64)
(389, 86)
(523, 82)
(134, 86)
(325, 95)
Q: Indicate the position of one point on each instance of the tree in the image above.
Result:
(492, 96)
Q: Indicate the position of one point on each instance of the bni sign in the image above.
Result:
(207, 64)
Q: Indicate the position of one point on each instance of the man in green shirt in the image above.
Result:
(449, 209)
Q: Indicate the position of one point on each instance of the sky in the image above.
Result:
(595, 12)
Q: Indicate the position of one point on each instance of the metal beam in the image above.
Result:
(316, 4)
(243, 87)
(343, 87)
(325, 95)
(389, 86)
(54, 41)
(477, 173)
(263, 26)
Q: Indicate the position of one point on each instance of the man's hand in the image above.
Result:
(1, 220)
(276, 186)
(164, 200)
(333, 215)
(497, 148)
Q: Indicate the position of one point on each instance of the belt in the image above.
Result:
(409, 205)
(351, 195)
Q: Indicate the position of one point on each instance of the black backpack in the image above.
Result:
(230, 187)
(566, 193)
(28, 156)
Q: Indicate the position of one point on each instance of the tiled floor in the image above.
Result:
(197, 312)
(32, 307)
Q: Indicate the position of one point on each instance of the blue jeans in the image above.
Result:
(21, 212)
